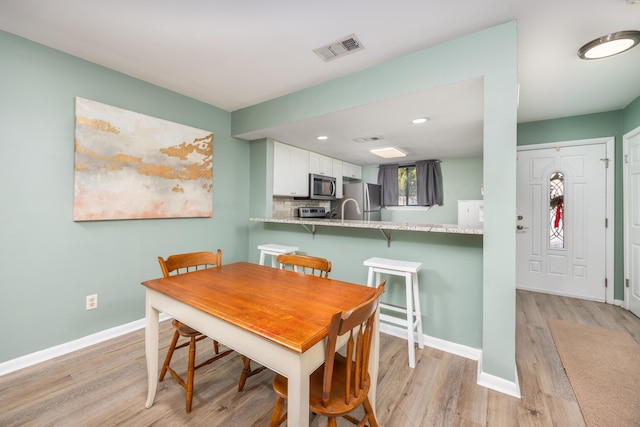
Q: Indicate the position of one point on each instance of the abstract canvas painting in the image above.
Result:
(131, 166)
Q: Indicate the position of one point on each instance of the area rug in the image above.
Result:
(603, 367)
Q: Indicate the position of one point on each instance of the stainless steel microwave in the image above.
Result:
(322, 187)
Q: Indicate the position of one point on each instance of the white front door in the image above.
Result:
(561, 220)
(632, 220)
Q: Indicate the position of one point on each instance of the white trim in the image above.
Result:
(609, 142)
(483, 379)
(626, 256)
(559, 293)
(71, 346)
(511, 388)
(572, 143)
(437, 343)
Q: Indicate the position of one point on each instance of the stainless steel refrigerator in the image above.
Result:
(369, 200)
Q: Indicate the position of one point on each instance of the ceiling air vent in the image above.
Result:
(344, 46)
(369, 139)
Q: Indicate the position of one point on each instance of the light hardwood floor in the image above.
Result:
(105, 385)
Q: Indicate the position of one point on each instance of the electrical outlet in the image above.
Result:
(92, 301)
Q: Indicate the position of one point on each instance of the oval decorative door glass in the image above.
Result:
(556, 211)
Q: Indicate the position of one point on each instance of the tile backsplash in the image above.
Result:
(287, 207)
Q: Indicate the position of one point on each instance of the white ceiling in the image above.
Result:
(233, 54)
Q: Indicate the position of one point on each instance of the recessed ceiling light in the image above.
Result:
(388, 152)
(322, 137)
(419, 120)
(609, 45)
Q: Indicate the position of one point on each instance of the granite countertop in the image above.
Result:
(379, 225)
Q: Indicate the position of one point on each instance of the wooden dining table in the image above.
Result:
(277, 318)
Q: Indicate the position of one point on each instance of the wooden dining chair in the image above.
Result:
(304, 264)
(342, 383)
(179, 264)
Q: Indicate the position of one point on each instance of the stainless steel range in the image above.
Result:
(312, 212)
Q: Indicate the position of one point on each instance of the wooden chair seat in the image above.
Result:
(179, 264)
(342, 383)
(184, 330)
(338, 406)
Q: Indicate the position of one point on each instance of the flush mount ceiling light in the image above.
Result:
(322, 137)
(609, 45)
(388, 152)
(419, 120)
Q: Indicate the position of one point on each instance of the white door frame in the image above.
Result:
(610, 204)
(627, 254)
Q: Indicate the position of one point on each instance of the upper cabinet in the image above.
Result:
(321, 165)
(349, 170)
(290, 171)
(292, 166)
(337, 172)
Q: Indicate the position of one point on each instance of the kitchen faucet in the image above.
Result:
(357, 207)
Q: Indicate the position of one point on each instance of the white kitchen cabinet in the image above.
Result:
(290, 171)
(321, 165)
(349, 170)
(337, 172)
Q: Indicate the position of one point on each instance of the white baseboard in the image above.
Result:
(483, 379)
(71, 346)
(511, 388)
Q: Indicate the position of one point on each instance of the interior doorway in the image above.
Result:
(564, 236)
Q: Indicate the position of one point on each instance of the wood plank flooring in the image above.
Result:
(105, 385)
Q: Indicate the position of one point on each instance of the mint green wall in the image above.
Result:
(450, 281)
(570, 128)
(631, 116)
(461, 180)
(50, 263)
(471, 276)
(261, 189)
(587, 127)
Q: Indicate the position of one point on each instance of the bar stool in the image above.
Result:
(413, 321)
(274, 251)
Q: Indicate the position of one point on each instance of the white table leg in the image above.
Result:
(298, 398)
(151, 350)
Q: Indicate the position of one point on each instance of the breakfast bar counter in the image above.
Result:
(385, 227)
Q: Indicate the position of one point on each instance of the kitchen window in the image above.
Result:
(407, 186)
(418, 184)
